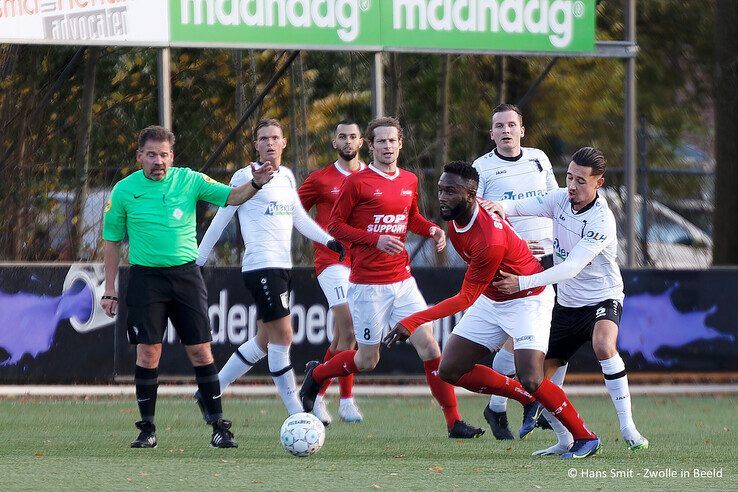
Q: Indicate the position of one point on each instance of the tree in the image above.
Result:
(725, 238)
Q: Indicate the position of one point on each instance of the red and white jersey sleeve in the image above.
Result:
(372, 203)
(489, 245)
(320, 190)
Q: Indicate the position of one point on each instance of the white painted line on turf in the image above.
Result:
(361, 390)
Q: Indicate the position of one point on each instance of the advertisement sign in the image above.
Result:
(401, 25)
(480, 25)
(88, 22)
(52, 329)
(319, 24)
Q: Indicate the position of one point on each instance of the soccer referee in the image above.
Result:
(156, 207)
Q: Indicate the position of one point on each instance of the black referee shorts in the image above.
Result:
(270, 288)
(177, 293)
(572, 327)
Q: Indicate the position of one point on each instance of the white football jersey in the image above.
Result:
(593, 229)
(266, 221)
(507, 178)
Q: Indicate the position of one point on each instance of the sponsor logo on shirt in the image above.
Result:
(596, 236)
(511, 195)
(388, 223)
(502, 171)
(277, 208)
(558, 250)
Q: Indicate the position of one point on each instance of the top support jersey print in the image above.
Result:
(371, 204)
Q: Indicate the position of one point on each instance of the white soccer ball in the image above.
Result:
(302, 434)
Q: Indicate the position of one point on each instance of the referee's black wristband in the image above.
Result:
(256, 186)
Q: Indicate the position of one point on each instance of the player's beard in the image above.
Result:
(454, 213)
(348, 156)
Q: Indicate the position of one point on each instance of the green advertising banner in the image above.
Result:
(402, 25)
(308, 24)
(489, 25)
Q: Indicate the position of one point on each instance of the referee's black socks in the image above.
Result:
(147, 382)
(209, 386)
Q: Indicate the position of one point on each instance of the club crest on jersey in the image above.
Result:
(277, 208)
(406, 193)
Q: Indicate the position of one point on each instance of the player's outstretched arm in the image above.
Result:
(306, 225)
(396, 335)
(215, 229)
(578, 258)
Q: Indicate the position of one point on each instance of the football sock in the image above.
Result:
(240, 362)
(147, 382)
(482, 379)
(562, 434)
(207, 383)
(616, 381)
(346, 386)
(341, 364)
(284, 376)
(328, 355)
(555, 401)
(504, 363)
(442, 391)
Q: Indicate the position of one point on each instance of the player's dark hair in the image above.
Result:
(265, 123)
(463, 169)
(348, 122)
(590, 157)
(155, 134)
(384, 121)
(501, 108)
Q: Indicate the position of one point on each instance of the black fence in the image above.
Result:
(53, 331)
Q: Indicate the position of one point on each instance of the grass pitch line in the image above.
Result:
(360, 390)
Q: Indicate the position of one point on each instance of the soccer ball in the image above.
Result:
(302, 434)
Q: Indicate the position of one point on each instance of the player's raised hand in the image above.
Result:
(508, 284)
(397, 334)
(492, 207)
(337, 247)
(390, 244)
(439, 237)
(535, 247)
(262, 175)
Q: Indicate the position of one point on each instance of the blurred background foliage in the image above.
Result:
(50, 170)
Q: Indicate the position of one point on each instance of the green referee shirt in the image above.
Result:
(159, 216)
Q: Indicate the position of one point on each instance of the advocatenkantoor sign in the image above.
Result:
(405, 25)
(101, 22)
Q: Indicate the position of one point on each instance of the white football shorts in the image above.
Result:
(334, 282)
(376, 308)
(527, 320)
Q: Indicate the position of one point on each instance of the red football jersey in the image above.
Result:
(320, 189)
(489, 244)
(372, 203)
